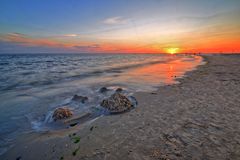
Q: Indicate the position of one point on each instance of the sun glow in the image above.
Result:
(172, 50)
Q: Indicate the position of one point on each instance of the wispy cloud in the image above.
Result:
(13, 40)
(115, 20)
(93, 47)
(16, 34)
(26, 40)
(70, 35)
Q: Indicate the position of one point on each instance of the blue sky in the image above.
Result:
(107, 22)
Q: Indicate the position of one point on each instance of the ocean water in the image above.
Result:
(32, 86)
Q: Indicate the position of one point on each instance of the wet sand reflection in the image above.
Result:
(163, 72)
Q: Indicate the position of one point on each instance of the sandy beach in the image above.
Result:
(195, 119)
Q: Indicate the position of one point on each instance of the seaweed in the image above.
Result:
(76, 139)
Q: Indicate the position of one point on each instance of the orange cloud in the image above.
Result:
(28, 41)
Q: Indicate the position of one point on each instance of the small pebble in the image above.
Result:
(18, 158)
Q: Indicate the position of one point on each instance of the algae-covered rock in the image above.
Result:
(61, 113)
(117, 103)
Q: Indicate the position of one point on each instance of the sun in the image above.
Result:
(172, 50)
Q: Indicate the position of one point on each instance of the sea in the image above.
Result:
(32, 86)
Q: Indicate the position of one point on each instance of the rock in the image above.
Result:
(119, 90)
(18, 158)
(91, 128)
(61, 113)
(78, 98)
(103, 90)
(117, 103)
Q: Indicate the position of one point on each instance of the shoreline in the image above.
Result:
(194, 119)
(145, 78)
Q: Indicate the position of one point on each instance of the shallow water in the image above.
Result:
(32, 86)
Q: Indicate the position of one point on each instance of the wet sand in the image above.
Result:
(199, 118)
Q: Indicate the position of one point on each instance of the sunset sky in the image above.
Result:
(119, 26)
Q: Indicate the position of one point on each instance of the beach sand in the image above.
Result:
(199, 118)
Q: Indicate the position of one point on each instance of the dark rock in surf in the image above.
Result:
(61, 113)
(81, 99)
(119, 90)
(117, 103)
(73, 124)
(103, 90)
(19, 158)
